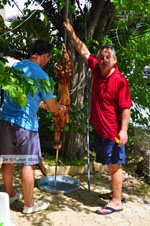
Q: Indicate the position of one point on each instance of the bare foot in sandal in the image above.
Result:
(110, 208)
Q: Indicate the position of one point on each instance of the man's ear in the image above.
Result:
(45, 55)
(115, 58)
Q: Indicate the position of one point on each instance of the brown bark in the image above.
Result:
(74, 143)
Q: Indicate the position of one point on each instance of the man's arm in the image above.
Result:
(78, 44)
(122, 135)
(54, 106)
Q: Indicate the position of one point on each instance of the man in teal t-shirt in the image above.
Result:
(19, 128)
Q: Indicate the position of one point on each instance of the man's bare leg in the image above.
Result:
(27, 180)
(7, 173)
(117, 181)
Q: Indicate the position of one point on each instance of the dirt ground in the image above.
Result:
(78, 208)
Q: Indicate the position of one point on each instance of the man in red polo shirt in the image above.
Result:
(110, 114)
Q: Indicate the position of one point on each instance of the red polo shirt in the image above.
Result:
(109, 96)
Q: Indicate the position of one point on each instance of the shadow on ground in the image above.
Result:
(82, 200)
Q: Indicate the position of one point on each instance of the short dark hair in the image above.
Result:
(40, 47)
(106, 46)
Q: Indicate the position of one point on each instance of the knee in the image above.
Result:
(114, 168)
(27, 172)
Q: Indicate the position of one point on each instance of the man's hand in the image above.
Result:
(68, 26)
(43, 106)
(78, 44)
(62, 108)
(122, 137)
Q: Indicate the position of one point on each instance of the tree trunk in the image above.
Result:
(74, 143)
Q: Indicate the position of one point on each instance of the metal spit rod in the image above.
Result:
(57, 151)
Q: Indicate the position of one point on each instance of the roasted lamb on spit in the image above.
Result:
(63, 72)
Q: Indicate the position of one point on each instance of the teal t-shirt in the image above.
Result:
(27, 117)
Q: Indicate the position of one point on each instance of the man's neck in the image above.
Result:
(34, 59)
(106, 75)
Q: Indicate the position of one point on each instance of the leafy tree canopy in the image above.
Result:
(128, 31)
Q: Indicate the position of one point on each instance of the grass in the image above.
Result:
(51, 160)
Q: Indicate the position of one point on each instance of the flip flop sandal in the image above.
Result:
(107, 208)
(109, 196)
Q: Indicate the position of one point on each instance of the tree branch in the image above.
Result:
(95, 15)
(105, 20)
